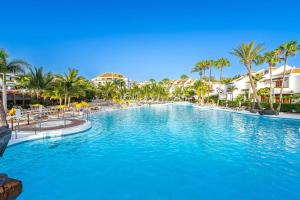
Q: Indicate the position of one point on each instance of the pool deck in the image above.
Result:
(24, 136)
(281, 115)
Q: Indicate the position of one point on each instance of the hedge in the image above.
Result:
(284, 107)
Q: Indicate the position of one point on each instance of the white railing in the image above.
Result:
(284, 91)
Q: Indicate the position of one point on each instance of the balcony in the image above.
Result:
(284, 91)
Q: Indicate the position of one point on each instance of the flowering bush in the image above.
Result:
(82, 104)
(61, 106)
(12, 112)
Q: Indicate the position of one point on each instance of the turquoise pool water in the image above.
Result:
(164, 152)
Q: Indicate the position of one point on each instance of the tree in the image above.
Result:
(211, 63)
(272, 59)
(231, 90)
(22, 83)
(13, 66)
(121, 90)
(264, 92)
(198, 68)
(107, 91)
(222, 62)
(183, 77)
(38, 81)
(72, 84)
(240, 98)
(296, 98)
(248, 53)
(54, 91)
(201, 89)
(152, 80)
(287, 50)
(178, 93)
(205, 65)
(188, 93)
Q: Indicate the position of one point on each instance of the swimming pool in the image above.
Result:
(164, 152)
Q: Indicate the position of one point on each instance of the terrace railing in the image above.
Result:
(32, 121)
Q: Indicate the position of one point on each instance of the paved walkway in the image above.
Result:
(23, 136)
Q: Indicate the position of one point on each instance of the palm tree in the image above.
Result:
(287, 50)
(72, 84)
(22, 83)
(231, 90)
(38, 81)
(222, 62)
(134, 91)
(3, 121)
(165, 82)
(248, 53)
(121, 89)
(198, 68)
(205, 65)
(272, 59)
(107, 91)
(55, 91)
(211, 63)
(13, 66)
(201, 89)
(179, 93)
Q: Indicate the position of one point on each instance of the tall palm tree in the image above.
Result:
(72, 83)
(3, 121)
(211, 63)
(198, 68)
(272, 59)
(287, 50)
(6, 66)
(222, 62)
(22, 83)
(205, 65)
(248, 53)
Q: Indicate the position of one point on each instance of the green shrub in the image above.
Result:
(222, 102)
(289, 107)
(284, 107)
(247, 103)
(212, 99)
(233, 104)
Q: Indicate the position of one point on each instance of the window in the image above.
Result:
(278, 83)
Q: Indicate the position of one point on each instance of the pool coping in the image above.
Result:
(280, 116)
(50, 133)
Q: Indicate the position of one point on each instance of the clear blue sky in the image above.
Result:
(142, 39)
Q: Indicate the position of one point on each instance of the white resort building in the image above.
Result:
(110, 77)
(14, 95)
(241, 85)
(181, 83)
